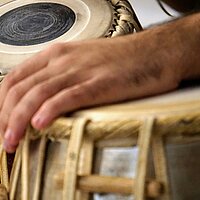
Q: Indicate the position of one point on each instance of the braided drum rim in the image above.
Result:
(125, 20)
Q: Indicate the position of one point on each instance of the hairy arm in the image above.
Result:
(175, 45)
(69, 76)
(181, 5)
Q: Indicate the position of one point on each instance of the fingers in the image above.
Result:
(55, 103)
(88, 93)
(34, 65)
(39, 91)
(27, 106)
(32, 72)
(30, 66)
(16, 92)
(53, 97)
(27, 86)
(65, 101)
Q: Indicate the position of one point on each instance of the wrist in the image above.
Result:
(174, 46)
(154, 53)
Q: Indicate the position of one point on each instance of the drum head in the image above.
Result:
(29, 26)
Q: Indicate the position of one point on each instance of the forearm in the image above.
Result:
(174, 46)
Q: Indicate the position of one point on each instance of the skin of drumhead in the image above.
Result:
(89, 19)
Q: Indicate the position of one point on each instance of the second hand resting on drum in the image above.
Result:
(73, 75)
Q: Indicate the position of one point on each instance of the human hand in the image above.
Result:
(70, 76)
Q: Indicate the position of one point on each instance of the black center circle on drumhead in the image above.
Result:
(35, 23)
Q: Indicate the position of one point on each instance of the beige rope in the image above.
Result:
(3, 192)
(160, 164)
(4, 175)
(182, 125)
(4, 168)
(60, 129)
(41, 158)
(25, 167)
(5, 179)
(15, 172)
(72, 159)
(85, 164)
(144, 147)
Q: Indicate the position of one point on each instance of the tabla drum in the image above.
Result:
(28, 26)
(60, 162)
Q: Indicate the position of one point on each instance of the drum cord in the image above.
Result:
(163, 8)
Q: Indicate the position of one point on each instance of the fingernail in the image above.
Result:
(38, 121)
(8, 134)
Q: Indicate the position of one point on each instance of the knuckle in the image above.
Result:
(81, 96)
(58, 48)
(42, 90)
(15, 93)
(17, 115)
(88, 93)
(77, 95)
(28, 105)
(24, 108)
